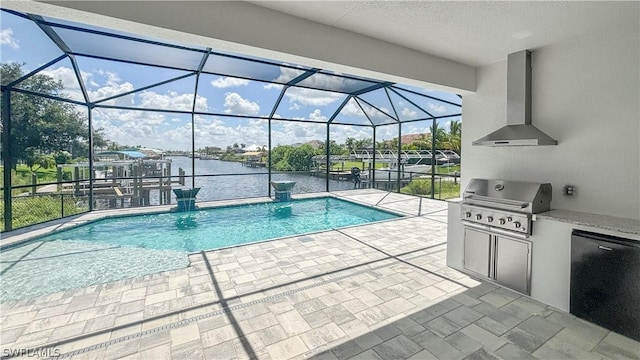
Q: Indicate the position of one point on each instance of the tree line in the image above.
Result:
(45, 131)
(300, 158)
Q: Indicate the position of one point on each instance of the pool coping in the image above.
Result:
(30, 233)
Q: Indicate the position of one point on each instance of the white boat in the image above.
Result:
(209, 157)
(406, 172)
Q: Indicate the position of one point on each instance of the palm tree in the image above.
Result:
(454, 138)
(349, 143)
(440, 136)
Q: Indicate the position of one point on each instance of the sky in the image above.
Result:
(23, 42)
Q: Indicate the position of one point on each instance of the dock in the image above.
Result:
(121, 183)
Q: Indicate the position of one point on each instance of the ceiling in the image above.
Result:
(475, 33)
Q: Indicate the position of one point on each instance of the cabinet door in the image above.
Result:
(513, 263)
(477, 246)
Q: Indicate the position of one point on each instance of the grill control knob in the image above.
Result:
(502, 221)
(478, 217)
(516, 224)
(467, 214)
(489, 218)
(509, 219)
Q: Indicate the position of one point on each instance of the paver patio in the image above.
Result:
(378, 291)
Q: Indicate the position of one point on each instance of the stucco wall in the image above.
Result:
(586, 95)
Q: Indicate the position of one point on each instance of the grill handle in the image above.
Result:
(491, 202)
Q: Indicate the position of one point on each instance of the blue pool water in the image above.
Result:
(120, 248)
(221, 227)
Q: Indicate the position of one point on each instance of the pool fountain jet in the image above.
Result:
(186, 199)
(283, 189)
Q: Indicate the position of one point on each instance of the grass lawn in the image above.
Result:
(444, 189)
(22, 175)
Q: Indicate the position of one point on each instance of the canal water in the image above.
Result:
(252, 183)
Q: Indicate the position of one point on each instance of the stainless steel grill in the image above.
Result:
(503, 206)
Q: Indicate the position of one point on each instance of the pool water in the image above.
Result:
(226, 226)
(124, 247)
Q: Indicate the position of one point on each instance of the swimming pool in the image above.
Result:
(118, 248)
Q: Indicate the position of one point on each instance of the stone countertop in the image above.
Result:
(606, 222)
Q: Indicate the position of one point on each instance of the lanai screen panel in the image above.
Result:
(130, 49)
(252, 69)
(336, 83)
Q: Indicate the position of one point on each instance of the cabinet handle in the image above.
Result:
(604, 248)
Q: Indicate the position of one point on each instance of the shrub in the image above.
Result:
(30, 210)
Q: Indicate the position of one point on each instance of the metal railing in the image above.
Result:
(30, 209)
(31, 206)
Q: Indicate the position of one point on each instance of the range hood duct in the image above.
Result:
(518, 131)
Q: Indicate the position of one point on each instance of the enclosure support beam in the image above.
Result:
(7, 156)
(269, 159)
(91, 174)
(433, 159)
(373, 174)
(273, 113)
(398, 182)
(203, 61)
(328, 152)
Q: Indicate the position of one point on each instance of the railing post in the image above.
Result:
(34, 181)
(7, 156)
(61, 205)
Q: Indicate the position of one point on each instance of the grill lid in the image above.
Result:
(521, 196)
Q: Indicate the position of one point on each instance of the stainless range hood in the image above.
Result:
(518, 131)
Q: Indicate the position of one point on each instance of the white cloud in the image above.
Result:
(235, 104)
(151, 130)
(225, 82)
(128, 127)
(340, 133)
(352, 109)
(311, 97)
(113, 79)
(316, 115)
(210, 131)
(111, 90)
(408, 113)
(292, 132)
(169, 101)
(6, 38)
(69, 80)
(386, 132)
(308, 96)
(286, 75)
(294, 106)
(441, 109)
(324, 81)
(114, 86)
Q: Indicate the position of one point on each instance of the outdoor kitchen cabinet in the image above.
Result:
(513, 263)
(503, 259)
(477, 251)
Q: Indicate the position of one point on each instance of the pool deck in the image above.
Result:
(376, 291)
